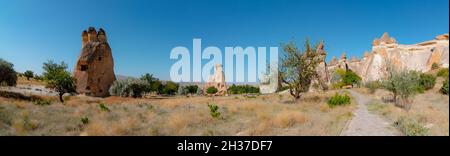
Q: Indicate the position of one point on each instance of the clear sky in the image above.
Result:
(142, 33)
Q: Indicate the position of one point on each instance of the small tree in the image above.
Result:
(170, 88)
(28, 74)
(403, 84)
(8, 75)
(299, 67)
(351, 78)
(58, 78)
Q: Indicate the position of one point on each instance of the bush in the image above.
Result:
(373, 86)
(444, 88)
(214, 110)
(170, 88)
(411, 127)
(443, 73)
(129, 88)
(8, 77)
(434, 66)
(426, 81)
(28, 74)
(338, 100)
(341, 78)
(154, 85)
(42, 102)
(103, 107)
(242, 89)
(351, 78)
(85, 120)
(191, 89)
(211, 90)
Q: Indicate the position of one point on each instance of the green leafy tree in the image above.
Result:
(8, 75)
(299, 67)
(28, 74)
(351, 78)
(170, 88)
(58, 78)
(403, 84)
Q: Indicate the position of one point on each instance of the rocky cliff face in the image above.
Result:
(218, 81)
(386, 51)
(94, 70)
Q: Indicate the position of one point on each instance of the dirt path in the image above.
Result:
(365, 123)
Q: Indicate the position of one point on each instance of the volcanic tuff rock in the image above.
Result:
(217, 80)
(386, 51)
(94, 70)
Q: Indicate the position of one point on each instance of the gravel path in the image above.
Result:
(365, 123)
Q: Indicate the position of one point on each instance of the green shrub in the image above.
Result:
(103, 107)
(85, 120)
(211, 90)
(8, 75)
(411, 127)
(434, 66)
(28, 74)
(170, 88)
(129, 88)
(373, 86)
(42, 102)
(214, 110)
(341, 78)
(338, 100)
(427, 81)
(191, 89)
(243, 89)
(351, 78)
(444, 88)
(443, 73)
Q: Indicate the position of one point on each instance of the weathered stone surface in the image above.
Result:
(217, 80)
(418, 57)
(94, 70)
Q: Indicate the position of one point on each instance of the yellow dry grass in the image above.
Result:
(263, 115)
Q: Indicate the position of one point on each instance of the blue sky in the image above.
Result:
(142, 33)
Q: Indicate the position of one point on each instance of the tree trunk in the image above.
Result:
(61, 97)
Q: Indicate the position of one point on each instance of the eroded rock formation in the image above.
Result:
(217, 80)
(386, 51)
(94, 70)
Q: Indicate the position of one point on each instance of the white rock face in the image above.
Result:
(419, 57)
(217, 80)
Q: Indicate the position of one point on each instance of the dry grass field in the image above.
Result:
(273, 114)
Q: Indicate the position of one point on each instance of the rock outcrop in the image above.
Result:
(94, 70)
(386, 51)
(217, 80)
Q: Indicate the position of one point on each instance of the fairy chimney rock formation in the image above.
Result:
(94, 70)
(217, 80)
